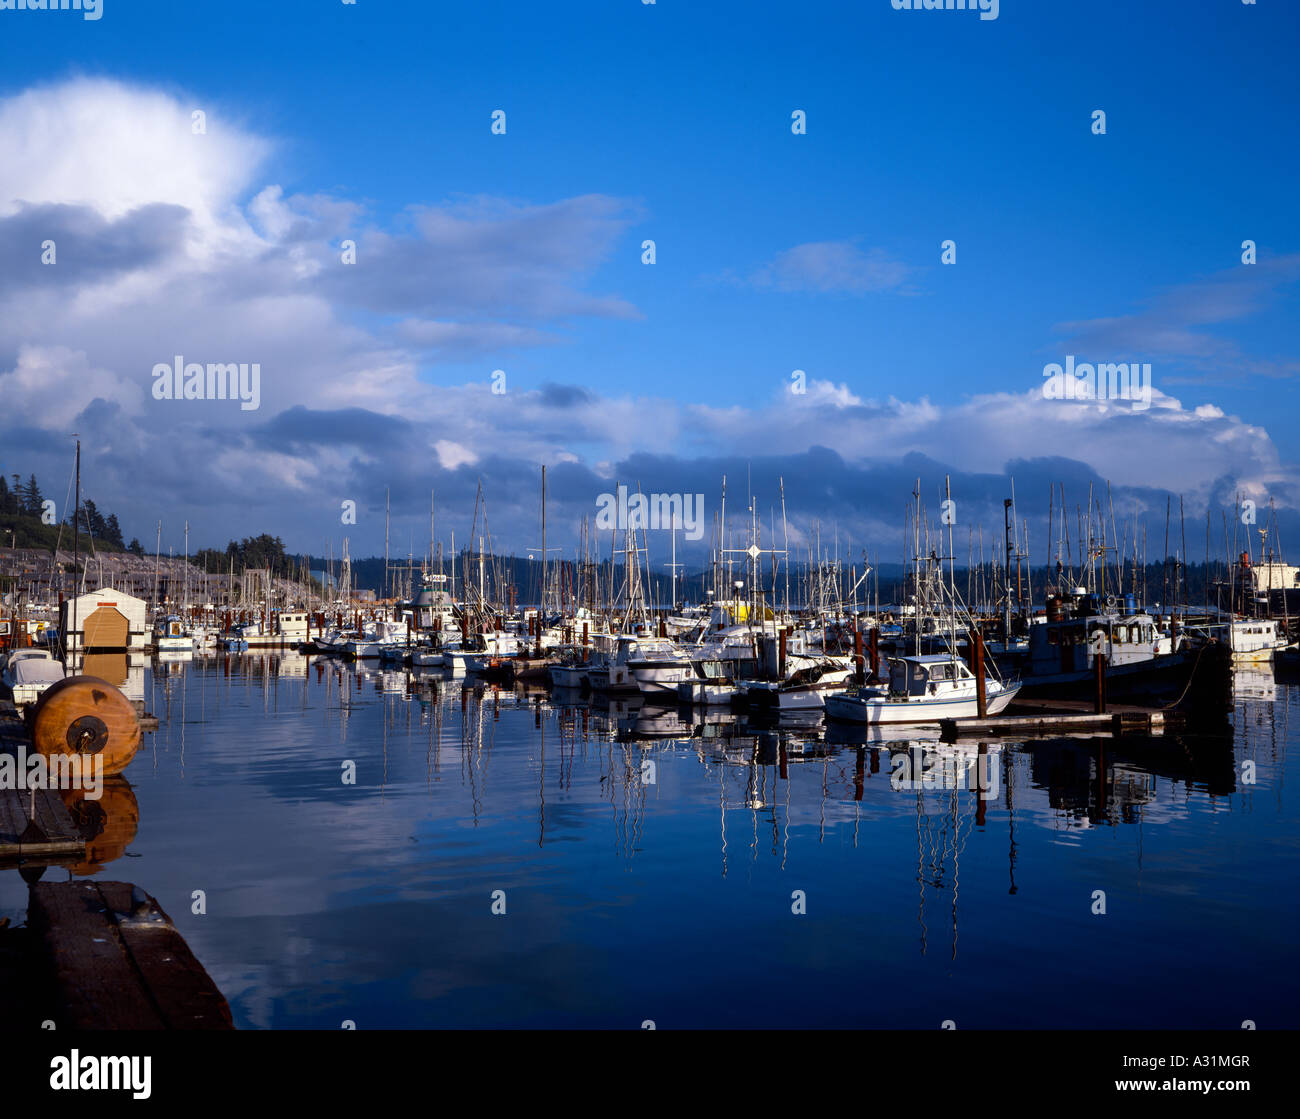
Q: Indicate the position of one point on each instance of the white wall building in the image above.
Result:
(107, 620)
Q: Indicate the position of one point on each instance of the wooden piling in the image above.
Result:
(1100, 698)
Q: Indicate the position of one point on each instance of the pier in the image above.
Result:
(36, 829)
(96, 955)
(1063, 716)
(117, 961)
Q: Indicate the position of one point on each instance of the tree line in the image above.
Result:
(251, 553)
(23, 514)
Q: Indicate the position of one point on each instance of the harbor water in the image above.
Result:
(342, 845)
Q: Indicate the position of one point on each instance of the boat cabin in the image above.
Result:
(1073, 644)
(928, 675)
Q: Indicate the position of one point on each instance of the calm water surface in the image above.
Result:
(652, 869)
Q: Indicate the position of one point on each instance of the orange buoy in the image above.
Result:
(88, 716)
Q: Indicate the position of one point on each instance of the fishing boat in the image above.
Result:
(171, 636)
(332, 642)
(383, 637)
(1081, 626)
(1254, 639)
(571, 670)
(922, 689)
(713, 684)
(808, 683)
(425, 656)
(658, 666)
(609, 670)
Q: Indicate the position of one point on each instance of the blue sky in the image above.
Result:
(776, 252)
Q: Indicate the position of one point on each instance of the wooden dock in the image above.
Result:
(96, 955)
(54, 839)
(118, 962)
(1038, 717)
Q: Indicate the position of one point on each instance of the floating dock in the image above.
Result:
(54, 840)
(97, 955)
(1054, 717)
(118, 962)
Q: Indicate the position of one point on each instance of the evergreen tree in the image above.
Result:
(91, 520)
(135, 547)
(31, 498)
(113, 531)
(6, 498)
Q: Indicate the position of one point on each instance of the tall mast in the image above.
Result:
(542, 608)
(1007, 504)
(157, 556)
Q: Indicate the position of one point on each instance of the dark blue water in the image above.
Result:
(666, 892)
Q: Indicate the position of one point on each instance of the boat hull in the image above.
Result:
(878, 711)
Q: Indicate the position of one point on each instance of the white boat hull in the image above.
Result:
(568, 675)
(879, 710)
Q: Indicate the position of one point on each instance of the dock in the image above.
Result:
(36, 829)
(118, 962)
(95, 955)
(1037, 717)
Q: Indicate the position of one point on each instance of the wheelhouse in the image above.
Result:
(925, 675)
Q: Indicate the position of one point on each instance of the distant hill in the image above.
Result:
(30, 532)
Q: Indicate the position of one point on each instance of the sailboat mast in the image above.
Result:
(542, 607)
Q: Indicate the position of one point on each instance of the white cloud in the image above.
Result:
(262, 282)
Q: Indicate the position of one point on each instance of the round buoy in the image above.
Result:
(107, 824)
(88, 716)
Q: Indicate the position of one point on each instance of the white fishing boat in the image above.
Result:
(1254, 639)
(28, 672)
(458, 659)
(658, 666)
(808, 683)
(204, 636)
(372, 644)
(171, 636)
(922, 689)
(424, 656)
(609, 670)
(713, 685)
(571, 670)
(332, 642)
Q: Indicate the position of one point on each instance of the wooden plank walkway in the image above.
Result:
(62, 842)
(118, 961)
